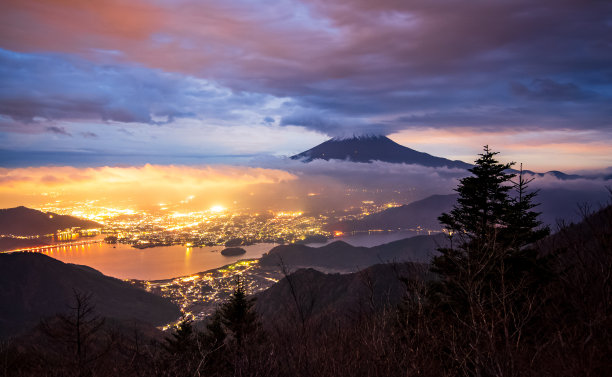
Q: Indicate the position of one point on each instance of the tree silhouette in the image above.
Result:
(78, 330)
(491, 231)
(182, 340)
(490, 274)
(238, 315)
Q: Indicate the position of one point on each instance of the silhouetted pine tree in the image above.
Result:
(491, 231)
(238, 315)
(182, 340)
(215, 334)
(490, 274)
(523, 226)
(182, 355)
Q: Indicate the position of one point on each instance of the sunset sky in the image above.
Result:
(116, 82)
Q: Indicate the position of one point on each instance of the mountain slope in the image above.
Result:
(555, 204)
(22, 221)
(423, 213)
(320, 295)
(380, 148)
(35, 286)
(12, 243)
(372, 148)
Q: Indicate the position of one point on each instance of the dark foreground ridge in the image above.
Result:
(374, 322)
(308, 294)
(35, 286)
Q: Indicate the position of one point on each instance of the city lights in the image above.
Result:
(217, 209)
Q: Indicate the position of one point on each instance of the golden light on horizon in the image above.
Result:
(573, 150)
(138, 186)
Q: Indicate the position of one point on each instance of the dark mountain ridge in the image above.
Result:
(342, 256)
(423, 213)
(22, 221)
(556, 204)
(320, 295)
(35, 286)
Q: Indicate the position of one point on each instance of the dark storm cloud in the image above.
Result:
(312, 119)
(41, 88)
(449, 63)
(348, 66)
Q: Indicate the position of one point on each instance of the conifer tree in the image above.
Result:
(523, 225)
(474, 225)
(182, 340)
(492, 225)
(238, 315)
(490, 274)
(215, 334)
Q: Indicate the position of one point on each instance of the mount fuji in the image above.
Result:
(374, 148)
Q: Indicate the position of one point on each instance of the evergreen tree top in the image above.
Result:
(493, 216)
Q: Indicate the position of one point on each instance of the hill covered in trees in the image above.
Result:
(308, 294)
(35, 286)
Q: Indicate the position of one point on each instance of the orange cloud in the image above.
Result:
(143, 185)
(66, 25)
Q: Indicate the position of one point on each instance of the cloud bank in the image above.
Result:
(336, 68)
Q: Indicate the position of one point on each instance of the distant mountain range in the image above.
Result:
(371, 148)
(35, 286)
(556, 204)
(22, 221)
(342, 256)
(423, 213)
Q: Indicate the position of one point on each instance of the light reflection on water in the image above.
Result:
(125, 262)
(164, 262)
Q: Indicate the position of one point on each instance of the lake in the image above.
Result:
(164, 262)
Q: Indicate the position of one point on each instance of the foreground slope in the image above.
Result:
(309, 294)
(35, 286)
